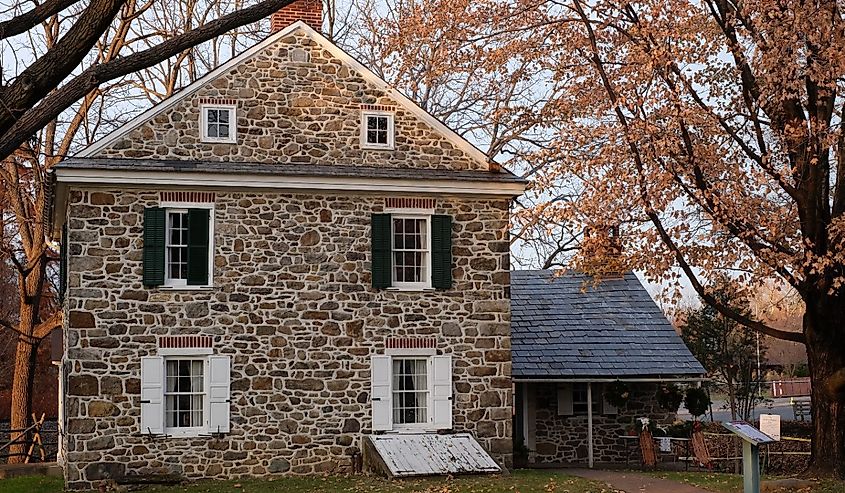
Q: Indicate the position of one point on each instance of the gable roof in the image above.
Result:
(567, 327)
(449, 134)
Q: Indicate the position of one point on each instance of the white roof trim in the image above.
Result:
(147, 179)
(458, 141)
(244, 181)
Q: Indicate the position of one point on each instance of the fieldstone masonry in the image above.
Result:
(293, 305)
(563, 439)
(293, 112)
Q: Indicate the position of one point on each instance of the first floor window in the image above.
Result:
(184, 393)
(410, 391)
(410, 251)
(579, 398)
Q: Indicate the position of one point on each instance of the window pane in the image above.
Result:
(184, 397)
(410, 391)
(224, 116)
(212, 130)
(212, 116)
(371, 137)
(381, 123)
(224, 131)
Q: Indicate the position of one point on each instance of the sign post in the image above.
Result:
(752, 438)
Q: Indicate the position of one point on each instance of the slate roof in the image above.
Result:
(570, 327)
(338, 170)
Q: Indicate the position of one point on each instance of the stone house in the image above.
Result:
(572, 338)
(281, 259)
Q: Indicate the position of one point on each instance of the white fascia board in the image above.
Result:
(368, 75)
(147, 179)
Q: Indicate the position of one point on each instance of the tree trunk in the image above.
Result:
(22, 394)
(25, 356)
(731, 396)
(823, 323)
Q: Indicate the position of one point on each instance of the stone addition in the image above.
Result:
(292, 304)
(289, 111)
(563, 439)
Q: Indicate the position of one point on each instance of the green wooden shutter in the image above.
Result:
(63, 264)
(381, 251)
(441, 252)
(155, 220)
(198, 227)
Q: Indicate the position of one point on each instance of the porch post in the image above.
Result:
(525, 414)
(590, 424)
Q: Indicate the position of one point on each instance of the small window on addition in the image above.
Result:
(219, 123)
(377, 130)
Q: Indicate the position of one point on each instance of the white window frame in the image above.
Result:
(194, 430)
(182, 284)
(233, 123)
(426, 282)
(429, 407)
(390, 130)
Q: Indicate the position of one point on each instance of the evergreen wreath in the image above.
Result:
(669, 397)
(696, 401)
(617, 394)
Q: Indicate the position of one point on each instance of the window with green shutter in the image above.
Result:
(63, 264)
(411, 251)
(198, 226)
(155, 228)
(177, 244)
(381, 251)
(441, 252)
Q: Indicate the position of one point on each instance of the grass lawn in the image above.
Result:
(732, 483)
(519, 482)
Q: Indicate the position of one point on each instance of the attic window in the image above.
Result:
(299, 55)
(218, 123)
(377, 130)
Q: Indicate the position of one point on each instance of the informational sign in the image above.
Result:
(770, 425)
(748, 433)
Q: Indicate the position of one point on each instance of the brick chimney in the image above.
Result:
(308, 11)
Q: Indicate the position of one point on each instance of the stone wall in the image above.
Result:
(563, 439)
(293, 305)
(292, 112)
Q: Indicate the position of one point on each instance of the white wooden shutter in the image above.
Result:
(152, 394)
(441, 402)
(606, 407)
(219, 376)
(564, 399)
(380, 393)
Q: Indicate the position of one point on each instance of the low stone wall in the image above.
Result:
(563, 439)
(789, 456)
(49, 437)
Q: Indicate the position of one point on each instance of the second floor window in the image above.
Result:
(218, 124)
(178, 246)
(410, 251)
